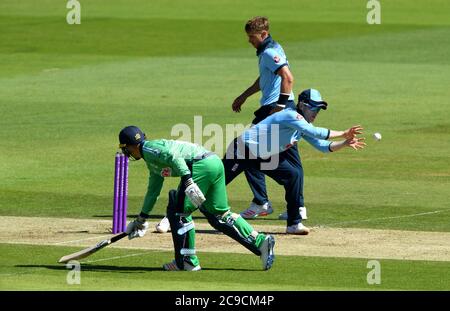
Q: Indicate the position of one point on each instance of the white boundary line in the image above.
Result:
(81, 240)
(386, 218)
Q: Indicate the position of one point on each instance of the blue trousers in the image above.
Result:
(288, 173)
(255, 178)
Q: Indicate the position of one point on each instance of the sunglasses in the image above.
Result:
(313, 108)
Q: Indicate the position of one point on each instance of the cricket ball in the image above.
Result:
(377, 136)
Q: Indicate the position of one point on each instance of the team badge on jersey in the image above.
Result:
(276, 59)
(299, 116)
(166, 172)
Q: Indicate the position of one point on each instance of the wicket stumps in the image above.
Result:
(120, 193)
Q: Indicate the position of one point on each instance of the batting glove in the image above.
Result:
(137, 228)
(193, 192)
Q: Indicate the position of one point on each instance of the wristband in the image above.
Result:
(186, 180)
(283, 99)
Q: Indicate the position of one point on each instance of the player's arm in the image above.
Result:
(296, 121)
(138, 227)
(278, 64)
(348, 134)
(155, 183)
(332, 146)
(322, 145)
(287, 83)
(355, 143)
(239, 101)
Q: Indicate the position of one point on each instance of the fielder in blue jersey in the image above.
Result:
(275, 81)
(259, 148)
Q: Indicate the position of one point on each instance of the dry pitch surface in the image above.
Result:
(322, 241)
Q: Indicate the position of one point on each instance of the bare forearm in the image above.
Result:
(287, 80)
(337, 145)
(347, 134)
(336, 134)
(240, 100)
(351, 140)
(355, 143)
(254, 88)
(287, 83)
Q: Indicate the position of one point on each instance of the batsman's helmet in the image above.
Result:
(128, 136)
(312, 99)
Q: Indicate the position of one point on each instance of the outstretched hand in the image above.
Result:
(238, 102)
(137, 228)
(356, 143)
(352, 132)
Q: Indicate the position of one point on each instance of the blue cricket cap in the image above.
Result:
(312, 99)
(131, 135)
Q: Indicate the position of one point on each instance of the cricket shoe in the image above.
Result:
(163, 226)
(302, 211)
(172, 266)
(256, 210)
(267, 254)
(298, 229)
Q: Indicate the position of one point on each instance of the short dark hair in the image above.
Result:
(257, 24)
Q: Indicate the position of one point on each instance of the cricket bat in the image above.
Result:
(90, 250)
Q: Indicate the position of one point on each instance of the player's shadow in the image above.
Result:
(196, 217)
(263, 219)
(96, 268)
(207, 231)
(118, 269)
(159, 217)
(153, 216)
(228, 269)
(212, 231)
(216, 232)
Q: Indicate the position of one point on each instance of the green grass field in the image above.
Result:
(67, 90)
(143, 272)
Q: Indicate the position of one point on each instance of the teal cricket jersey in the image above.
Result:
(166, 158)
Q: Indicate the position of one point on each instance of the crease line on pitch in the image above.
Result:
(385, 218)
